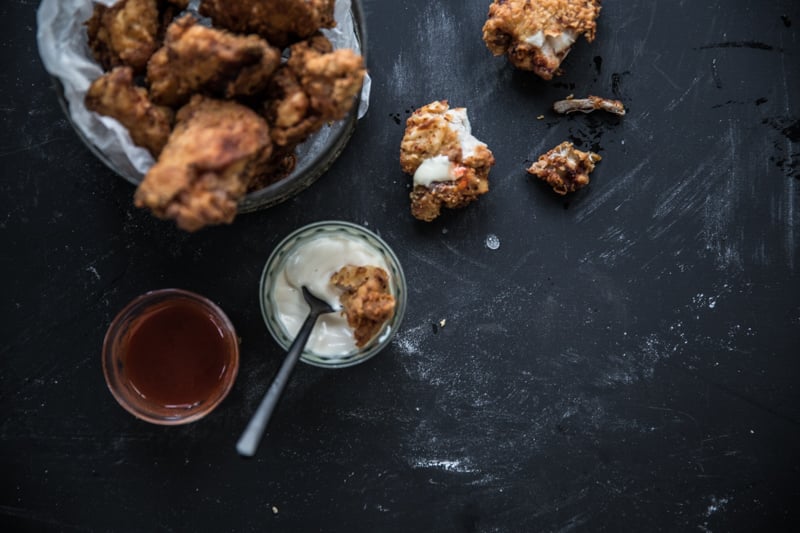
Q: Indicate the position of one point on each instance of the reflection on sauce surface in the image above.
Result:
(175, 354)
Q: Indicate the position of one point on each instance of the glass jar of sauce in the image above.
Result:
(170, 356)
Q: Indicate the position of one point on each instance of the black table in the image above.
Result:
(626, 359)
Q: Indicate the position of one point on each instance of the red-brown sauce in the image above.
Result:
(176, 354)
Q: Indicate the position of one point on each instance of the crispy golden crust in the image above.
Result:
(215, 150)
(564, 168)
(205, 60)
(124, 34)
(317, 85)
(430, 132)
(367, 300)
(538, 35)
(281, 22)
(113, 94)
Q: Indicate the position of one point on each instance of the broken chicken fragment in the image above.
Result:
(450, 166)
(215, 150)
(367, 301)
(114, 95)
(564, 168)
(537, 36)
(589, 104)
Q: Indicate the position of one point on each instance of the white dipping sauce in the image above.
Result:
(439, 168)
(312, 264)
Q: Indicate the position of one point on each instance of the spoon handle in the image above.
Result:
(248, 442)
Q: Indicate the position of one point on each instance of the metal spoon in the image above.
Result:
(248, 442)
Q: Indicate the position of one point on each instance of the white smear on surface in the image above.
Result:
(492, 242)
(716, 505)
(93, 270)
(622, 184)
(453, 465)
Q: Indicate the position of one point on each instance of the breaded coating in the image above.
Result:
(114, 95)
(215, 150)
(564, 168)
(331, 78)
(281, 22)
(124, 34)
(316, 86)
(279, 165)
(588, 104)
(367, 300)
(538, 35)
(450, 166)
(199, 59)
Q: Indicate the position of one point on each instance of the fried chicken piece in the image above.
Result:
(588, 104)
(281, 22)
(114, 95)
(199, 59)
(316, 86)
(124, 34)
(449, 165)
(215, 150)
(367, 301)
(538, 35)
(280, 164)
(564, 168)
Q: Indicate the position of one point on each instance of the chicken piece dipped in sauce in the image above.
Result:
(450, 166)
(538, 35)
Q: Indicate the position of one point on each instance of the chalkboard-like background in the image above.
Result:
(626, 359)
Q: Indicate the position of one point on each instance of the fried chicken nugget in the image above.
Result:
(538, 35)
(317, 85)
(565, 168)
(450, 166)
(199, 59)
(124, 34)
(215, 150)
(367, 301)
(113, 94)
(281, 22)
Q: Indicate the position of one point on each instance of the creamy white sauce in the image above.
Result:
(312, 265)
(459, 122)
(551, 44)
(439, 168)
(433, 169)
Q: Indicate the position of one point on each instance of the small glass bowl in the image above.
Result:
(122, 330)
(276, 262)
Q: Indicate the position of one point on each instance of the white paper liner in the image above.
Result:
(63, 47)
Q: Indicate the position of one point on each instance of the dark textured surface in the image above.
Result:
(627, 359)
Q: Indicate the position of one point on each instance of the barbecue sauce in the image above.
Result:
(176, 355)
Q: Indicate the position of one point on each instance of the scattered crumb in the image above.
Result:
(442, 322)
(274, 510)
(540, 117)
